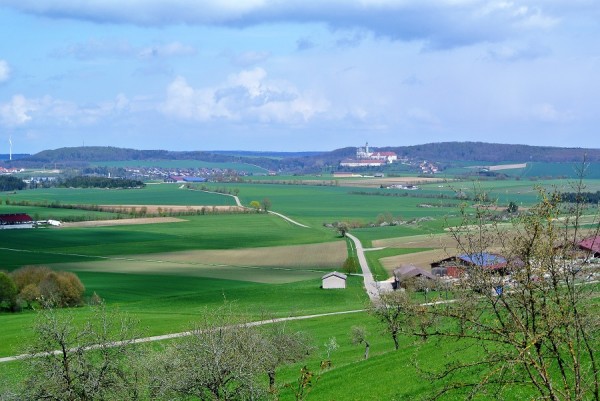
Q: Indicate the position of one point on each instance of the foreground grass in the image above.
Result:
(167, 304)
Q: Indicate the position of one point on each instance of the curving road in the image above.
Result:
(370, 284)
(287, 218)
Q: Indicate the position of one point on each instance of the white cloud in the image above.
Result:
(55, 112)
(16, 112)
(4, 71)
(440, 23)
(248, 95)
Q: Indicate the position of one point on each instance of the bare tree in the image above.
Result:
(283, 346)
(359, 336)
(393, 310)
(266, 204)
(221, 360)
(72, 362)
(532, 320)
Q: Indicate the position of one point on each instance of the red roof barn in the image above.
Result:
(591, 244)
(16, 220)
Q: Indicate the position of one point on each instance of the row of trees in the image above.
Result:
(34, 285)
(586, 197)
(221, 359)
(101, 182)
(264, 205)
(10, 183)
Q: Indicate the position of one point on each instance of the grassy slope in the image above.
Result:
(170, 303)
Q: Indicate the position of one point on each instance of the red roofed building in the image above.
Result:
(16, 220)
(592, 245)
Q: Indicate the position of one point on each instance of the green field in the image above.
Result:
(165, 275)
(540, 170)
(153, 194)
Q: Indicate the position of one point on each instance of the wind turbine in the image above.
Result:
(10, 142)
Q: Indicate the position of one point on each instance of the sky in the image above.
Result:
(297, 75)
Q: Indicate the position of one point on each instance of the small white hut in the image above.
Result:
(334, 280)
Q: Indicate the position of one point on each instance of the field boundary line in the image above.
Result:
(188, 333)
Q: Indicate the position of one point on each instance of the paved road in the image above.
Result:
(370, 284)
(238, 203)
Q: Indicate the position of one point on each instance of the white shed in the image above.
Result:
(334, 280)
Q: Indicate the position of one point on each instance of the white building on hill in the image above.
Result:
(365, 157)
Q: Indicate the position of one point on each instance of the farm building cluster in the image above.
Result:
(452, 268)
(23, 220)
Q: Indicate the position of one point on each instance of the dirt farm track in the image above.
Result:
(123, 222)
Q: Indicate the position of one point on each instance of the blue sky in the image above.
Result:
(297, 74)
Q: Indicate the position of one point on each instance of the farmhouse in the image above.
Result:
(407, 273)
(454, 266)
(591, 245)
(334, 280)
(16, 220)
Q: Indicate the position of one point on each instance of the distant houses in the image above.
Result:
(181, 178)
(15, 220)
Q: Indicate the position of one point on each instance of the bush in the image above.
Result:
(34, 283)
(8, 293)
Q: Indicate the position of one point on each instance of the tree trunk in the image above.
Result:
(271, 374)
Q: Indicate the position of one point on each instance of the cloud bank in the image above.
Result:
(440, 23)
(248, 95)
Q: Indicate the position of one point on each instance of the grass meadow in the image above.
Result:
(166, 275)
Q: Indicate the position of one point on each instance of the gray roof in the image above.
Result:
(409, 271)
(336, 274)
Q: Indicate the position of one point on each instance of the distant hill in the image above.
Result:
(314, 161)
(83, 155)
(494, 152)
(15, 156)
